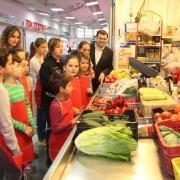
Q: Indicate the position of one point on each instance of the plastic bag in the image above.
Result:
(148, 27)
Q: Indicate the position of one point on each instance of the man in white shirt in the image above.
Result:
(101, 57)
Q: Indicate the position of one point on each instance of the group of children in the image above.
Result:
(20, 112)
(71, 92)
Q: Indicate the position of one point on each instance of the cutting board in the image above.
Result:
(147, 106)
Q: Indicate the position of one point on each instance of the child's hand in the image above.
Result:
(89, 91)
(29, 131)
(76, 111)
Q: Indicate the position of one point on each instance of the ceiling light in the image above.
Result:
(44, 14)
(64, 23)
(78, 23)
(104, 24)
(57, 9)
(91, 3)
(70, 17)
(56, 19)
(103, 19)
(96, 13)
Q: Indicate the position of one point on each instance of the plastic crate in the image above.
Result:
(130, 118)
(176, 167)
(168, 151)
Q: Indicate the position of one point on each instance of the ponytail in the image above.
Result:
(35, 45)
(32, 50)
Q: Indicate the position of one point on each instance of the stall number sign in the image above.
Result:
(35, 26)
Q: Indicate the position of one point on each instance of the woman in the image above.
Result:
(51, 64)
(11, 37)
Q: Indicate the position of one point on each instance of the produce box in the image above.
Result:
(147, 106)
(176, 167)
(128, 118)
(168, 152)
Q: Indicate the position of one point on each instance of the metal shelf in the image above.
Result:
(149, 45)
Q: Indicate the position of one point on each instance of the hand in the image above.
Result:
(76, 111)
(29, 131)
(92, 73)
(101, 78)
(89, 91)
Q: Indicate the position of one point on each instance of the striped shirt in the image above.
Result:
(17, 93)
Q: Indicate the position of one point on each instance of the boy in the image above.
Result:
(8, 141)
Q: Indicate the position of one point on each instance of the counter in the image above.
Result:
(71, 164)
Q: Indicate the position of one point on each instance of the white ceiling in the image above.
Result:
(76, 8)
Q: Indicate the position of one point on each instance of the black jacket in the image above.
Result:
(49, 66)
(104, 65)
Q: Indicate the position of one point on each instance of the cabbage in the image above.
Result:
(112, 141)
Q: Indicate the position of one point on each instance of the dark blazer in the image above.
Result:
(104, 65)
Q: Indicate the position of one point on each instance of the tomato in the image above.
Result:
(174, 117)
(166, 115)
(157, 115)
(159, 119)
(176, 108)
(178, 116)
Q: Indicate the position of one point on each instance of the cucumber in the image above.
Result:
(106, 119)
(92, 123)
(93, 114)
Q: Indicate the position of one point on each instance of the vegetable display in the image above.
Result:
(171, 137)
(173, 115)
(151, 94)
(111, 141)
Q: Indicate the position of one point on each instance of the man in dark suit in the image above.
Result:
(101, 57)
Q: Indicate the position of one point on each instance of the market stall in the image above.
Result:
(123, 103)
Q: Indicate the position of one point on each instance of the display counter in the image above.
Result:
(71, 164)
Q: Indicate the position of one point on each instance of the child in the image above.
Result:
(61, 113)
(8, 141)
(85, 78)
(37, 55)
(21, 54)
(23, 121)
(25, 69)
(71, 68)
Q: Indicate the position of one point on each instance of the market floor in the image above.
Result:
(40, 163)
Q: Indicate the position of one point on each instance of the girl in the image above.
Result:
(11, 38)
(84, 47)
(23, 121)
(61, 113)
(85, 78)
(51, 64)
(37, 54)
(25, 73)
(71, 68)
(8, 141)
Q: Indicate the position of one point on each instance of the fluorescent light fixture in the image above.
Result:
(78, 23)
(97, 13)
(91, 3)
(64, 23)
(70, 17)
(44, 14)
(103, 19)
(104, 24)
(56, 19)
(57, 9)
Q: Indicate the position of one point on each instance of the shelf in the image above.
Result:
(149, 45)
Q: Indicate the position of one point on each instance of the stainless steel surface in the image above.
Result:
(145, 165)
